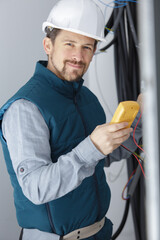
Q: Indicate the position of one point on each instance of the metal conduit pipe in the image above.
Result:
(150, 116)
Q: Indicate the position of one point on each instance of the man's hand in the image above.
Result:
(108, 137)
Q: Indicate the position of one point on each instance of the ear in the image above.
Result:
(47, 44)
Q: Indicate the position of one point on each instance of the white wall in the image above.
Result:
(20, 48)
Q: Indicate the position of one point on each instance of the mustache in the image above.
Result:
(79, 63)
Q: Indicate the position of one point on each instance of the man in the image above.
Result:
(54, 136)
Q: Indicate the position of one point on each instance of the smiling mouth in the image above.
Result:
(77, 66)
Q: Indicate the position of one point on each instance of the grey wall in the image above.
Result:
(20, 48)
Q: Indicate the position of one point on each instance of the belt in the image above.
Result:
(85, 232)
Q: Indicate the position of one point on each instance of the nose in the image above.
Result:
(78, 54)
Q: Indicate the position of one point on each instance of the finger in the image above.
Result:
(121, 133)
(116, 126)
(121, 139)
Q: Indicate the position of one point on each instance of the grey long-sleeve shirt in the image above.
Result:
(27, 137)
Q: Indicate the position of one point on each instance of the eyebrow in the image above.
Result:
(72, 41)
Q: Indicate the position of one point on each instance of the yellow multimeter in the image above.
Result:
(125, 112)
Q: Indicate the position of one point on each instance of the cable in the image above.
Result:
(132, 28)
(127, 184)
(109, 24)
(113, 28)
(117, 20)
(135, 139)
(108, 46)
(128, 87)
(134, 134)
(122, 28)
(108, 5)
(139, 162)
(134, 183)
(125, 215)
(142, 159)
(113, 23)
(120, 3)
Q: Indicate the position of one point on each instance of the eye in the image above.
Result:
(69, 44)
(87, 48)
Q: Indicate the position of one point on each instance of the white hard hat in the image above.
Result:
(79, 16)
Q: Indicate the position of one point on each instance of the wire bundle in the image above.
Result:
(122, 24)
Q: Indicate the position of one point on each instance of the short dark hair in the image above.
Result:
(52, 33)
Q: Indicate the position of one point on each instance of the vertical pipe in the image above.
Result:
(150, 116)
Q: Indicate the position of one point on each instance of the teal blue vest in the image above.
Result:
(71, 113)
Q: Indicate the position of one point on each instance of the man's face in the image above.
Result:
(70, 55)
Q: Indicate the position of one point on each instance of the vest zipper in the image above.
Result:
(75, 102)
(50, 218)
(94, 175)
(47, 204)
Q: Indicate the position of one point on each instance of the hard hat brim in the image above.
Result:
(48, 24)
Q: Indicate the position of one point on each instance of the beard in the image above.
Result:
(73, 76)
